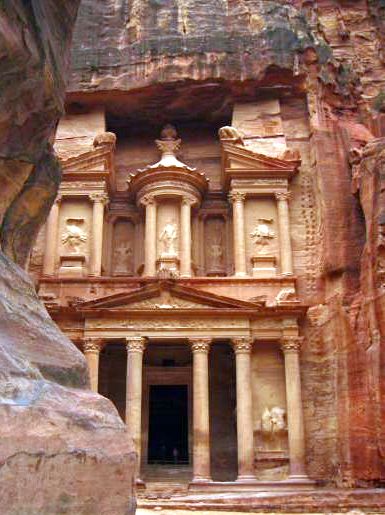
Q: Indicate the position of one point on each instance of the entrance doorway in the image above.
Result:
(168, 425)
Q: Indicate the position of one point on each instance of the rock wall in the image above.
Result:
(151, 61)
(62, 448)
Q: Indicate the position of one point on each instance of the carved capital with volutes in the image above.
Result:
(242, 344)
(135, 344)
(200, 344)
(282, 195)
(58, 199)
(188, 201)
(92, 345)
(291, 343)
(237, 196)
(99, 197)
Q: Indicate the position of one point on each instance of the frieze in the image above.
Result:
(166, 324)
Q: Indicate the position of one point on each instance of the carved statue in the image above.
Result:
(123, 258)
(168, 239)
(263, 234)
(75, 236)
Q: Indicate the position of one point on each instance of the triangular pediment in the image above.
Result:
(166, 296)
(94, 159)
(240, 162)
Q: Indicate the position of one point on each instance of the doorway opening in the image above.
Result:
(168, 425)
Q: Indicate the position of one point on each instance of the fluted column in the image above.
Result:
(99, 201)
(201, 422)
(297, 455)
(185, 238)
(238, 200)
(284, 233)
(242, 348)
(51, 238)
(135, 347)
(150, 239)
(91, 349)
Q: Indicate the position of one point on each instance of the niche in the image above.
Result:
(215, 246)
(123, 258)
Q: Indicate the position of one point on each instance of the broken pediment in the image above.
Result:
(164, 296)
(238, 162)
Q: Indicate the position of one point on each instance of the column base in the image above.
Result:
(299, 478)
(199, 482)
(240, 274)
(287, 274)
(246, 478)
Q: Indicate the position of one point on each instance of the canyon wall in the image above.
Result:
(62, 448)
(156, 61)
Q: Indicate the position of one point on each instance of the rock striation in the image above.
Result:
(150, 62)
(62, 447)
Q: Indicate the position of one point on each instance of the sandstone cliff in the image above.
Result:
(61, 447)
(153, 61)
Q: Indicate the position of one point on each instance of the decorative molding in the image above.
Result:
(148, 200)
(291, 343)
(242, 344)
(135, 344)
(200, 344)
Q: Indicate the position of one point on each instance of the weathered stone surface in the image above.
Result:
(61, 446)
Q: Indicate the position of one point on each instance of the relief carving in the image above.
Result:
(123, 248)
(75, 236)
(215, 252)
(273, 429)
(123, 258)
(263, 235)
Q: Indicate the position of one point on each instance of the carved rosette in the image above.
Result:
(99, 197)
(200, 344)
(135, 344)
(237, 196)
(291, 343)
(242, 345)
(92, 345)
(283, 196)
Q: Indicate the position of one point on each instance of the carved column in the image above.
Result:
(291, 347)
(51, 238)
(284, 233)
(150, 239)
(135, 347)
(201, 421)
(238, 200)
(99, 201)
(185, 238)
(242, 348)
(91, 349)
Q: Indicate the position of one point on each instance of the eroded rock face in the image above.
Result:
(62, 448)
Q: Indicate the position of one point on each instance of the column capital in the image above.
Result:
(135, 344)
(188, 201)
(282, 195)
(99, 197)
(237, 196)
(291, 343)
(200, 344)
(148, 200)
(92, 345)
(242, 344)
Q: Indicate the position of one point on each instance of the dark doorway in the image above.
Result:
(168, 425)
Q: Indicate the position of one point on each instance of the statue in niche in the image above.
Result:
(168, 238)
(123, 258)
(262, 235)
(215, 247)
(274, 427)
(74, 236)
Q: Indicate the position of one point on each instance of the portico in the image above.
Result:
(164, 316)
